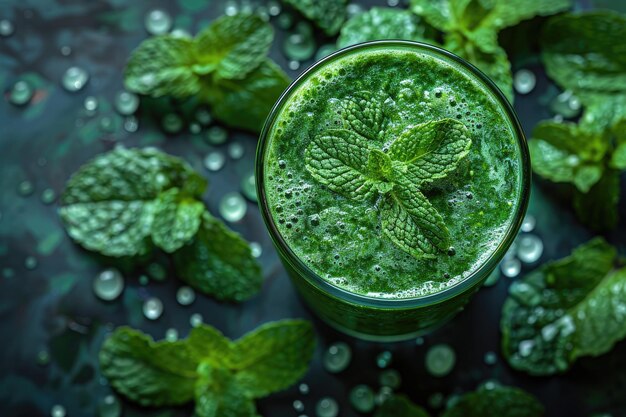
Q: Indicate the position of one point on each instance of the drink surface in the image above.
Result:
(343, 239)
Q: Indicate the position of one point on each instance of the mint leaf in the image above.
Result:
(431, 150)
(412, 223)
(496, 401)
(564, 310)
(400, 405)
(328, 15)
(598, 207)
(208, 345)
(338, 158)
(233, 46)
(602, 111)
(218, 394)
(384, 23)
(563, 152)
(273, 357)
(219, 262)
(380, 166)
(581, 53)
(363, 113)
(618, 159)
(246, 103)
(176, 220)
(147, 372)
(109, 204)
(163, 66)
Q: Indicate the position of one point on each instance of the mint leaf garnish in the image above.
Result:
(223, 376)
(384, 23)
(148, 372)
(338, 158)
(598, 207)
(252, 96)
(362, 112)
(564, 310)
(353, 162)
(219, 262)
(618, 159)
(109, 205)
(328, 15)
(498, 401)
(431, 150)
(400, 405)
(225, 65)
(176, 220)
(218, 394)
(471, 29)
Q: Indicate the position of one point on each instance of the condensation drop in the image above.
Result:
(524, 81)
(21, 93)
(528, 225)
(384, 359)
(185, 295)
(236, 150)
(126, 103)
(529, 248)
(233, 207)
(157, 22)
(440, 360)
(108, 284)
(327, 407)
(510, 267)
(110, 406)
(57, 411)
(152, 308)
(214, 161)
(337, 357)
(74, 79)
(362, 398)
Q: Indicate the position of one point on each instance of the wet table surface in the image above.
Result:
(52, 324)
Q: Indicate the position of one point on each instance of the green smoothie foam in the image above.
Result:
(340, 239)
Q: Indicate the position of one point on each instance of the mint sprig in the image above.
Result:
(496, 401)
(327, 15)
(225, 65)
(126, 202)
(223, 377)
(471, 29)
(354, 162)
(564, 310)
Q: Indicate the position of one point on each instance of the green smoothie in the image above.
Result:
(392, 171)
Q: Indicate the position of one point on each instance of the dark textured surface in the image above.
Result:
(52, 307)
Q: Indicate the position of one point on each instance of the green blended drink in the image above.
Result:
(393, 176)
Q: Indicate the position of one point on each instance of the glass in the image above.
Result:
(379, 319)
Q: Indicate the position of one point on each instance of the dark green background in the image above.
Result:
(53, 308)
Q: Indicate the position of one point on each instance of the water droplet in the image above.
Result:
(179, 33)
(490, 358)
(566, 105)
(293, 65)
(528, 225)
(126, 103)
(511, 267)
(109, 407)
(48, 196)
(203, 116)
(8, 272)
(25, 188)
(440, 360)
(65, 50)
(185, 295)
(327, 407)
(74, 79)
(248, 187)
(256, 249)
(90, 104)
(337, 357)
(298, 406)
(353, 9)
(384, 393)
(171, 335)
(300, 46)
(43, 357)
(216, 135)
(233, 207)
(524, 81)
(131, 124)
(6, 28)
(57, 411)
(172, 123)
(419, 341)
(196, 320)
(214, 161)
(31, 262)
(529, 248)
(21, 93)
(152, 308)
(393, 3)
(236, 150)
(157, 22)
(362, 398)
(273, 8)
(195, 128)
(384, 359)
(108, 284)
(493, 278)
(231, 8)
(525, 348)
(304, 389)
(390, 378)
(324, 51)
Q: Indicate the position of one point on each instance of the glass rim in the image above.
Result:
(287, 255)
